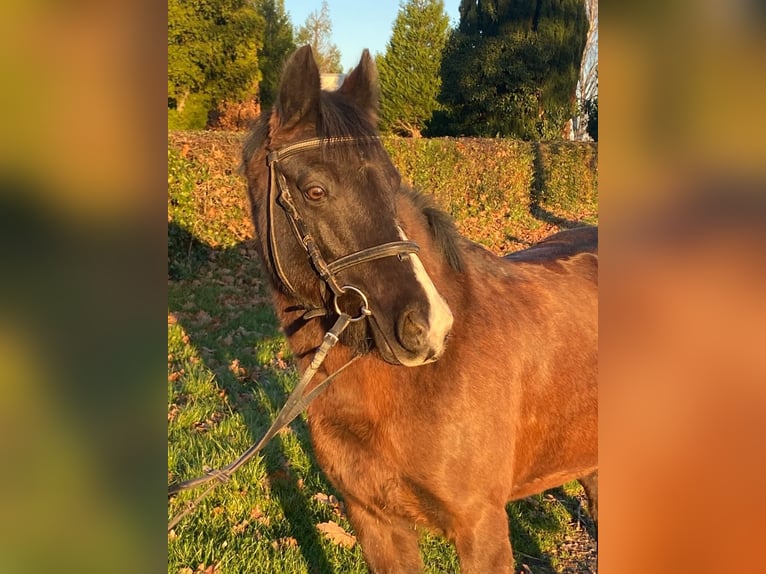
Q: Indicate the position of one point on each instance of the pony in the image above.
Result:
(474, 382)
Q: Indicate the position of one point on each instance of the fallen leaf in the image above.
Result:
(286, 542)
(332, 501)
(280, 364)
(216, 418)
(237, 369)
(173, 412)
(240, 528)
(202, 317)
(325, 499)
(336, 534)
(259, 516)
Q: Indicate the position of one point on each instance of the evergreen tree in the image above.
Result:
(511, 68)
(409, 70)
(278, 44)
(317, 32)
(212, 56)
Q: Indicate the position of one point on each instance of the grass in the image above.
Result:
(229, 372)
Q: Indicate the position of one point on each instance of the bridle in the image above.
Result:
(279, 194)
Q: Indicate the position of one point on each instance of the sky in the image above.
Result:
(358, 24)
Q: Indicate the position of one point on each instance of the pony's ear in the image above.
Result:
(299, 89)
(361, 85)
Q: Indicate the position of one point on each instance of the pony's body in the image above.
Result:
(508, 410)
(446, 445)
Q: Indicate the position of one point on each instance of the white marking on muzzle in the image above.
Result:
(440, 317)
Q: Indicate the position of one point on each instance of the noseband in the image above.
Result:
(279, 194)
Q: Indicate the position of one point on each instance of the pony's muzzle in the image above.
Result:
(423, 339)
(412, 332)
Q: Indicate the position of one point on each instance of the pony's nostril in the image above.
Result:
(412, 331)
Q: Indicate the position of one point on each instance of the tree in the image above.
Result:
(409, 70)
(511, 66)
(278, 44)
(587, 83)
(212, 57)
(317, 32)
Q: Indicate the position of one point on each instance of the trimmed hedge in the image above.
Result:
(486, 184)
(502, 193)
(566, 177)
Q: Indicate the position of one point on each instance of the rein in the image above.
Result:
(299, 399)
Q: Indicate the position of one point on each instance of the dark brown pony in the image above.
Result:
(477, 381)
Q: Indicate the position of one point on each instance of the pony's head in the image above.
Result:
(323, 193)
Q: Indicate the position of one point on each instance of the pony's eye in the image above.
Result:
(315, 193)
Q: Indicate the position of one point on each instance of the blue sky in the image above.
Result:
(358, 24)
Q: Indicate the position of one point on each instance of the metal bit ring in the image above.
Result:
(364, 310)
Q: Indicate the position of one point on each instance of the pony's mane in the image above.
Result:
(441, 225)
(255, 139)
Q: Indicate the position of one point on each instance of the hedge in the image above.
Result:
(502, 193)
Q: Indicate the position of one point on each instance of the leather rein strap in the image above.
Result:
(296, 402)
(279, 194)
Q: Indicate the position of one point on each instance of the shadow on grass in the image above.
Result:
(285, 488)
(526, 549)
(577, 508)
(203, 280)
(530, 522)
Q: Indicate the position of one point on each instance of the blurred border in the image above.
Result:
(82, 339)
(683, 230)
